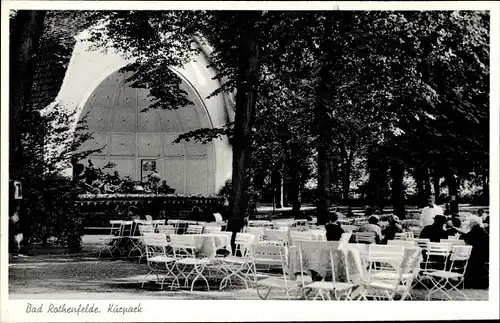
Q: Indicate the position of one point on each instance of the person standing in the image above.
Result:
(429, 212)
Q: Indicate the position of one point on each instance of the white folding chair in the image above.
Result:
(405, 243)
(156, 223)
(111, 242)
(349, 228)
(258, 232)
(365, 237)
(318, 235)
(156, 255)
(324, 288)
(422, 243)
(239, 265)
(194, 229)
(184, 249)
(167, 229)
(397, 281)
(272, 253)
(212, 229)
(136, 239)
(454, 242)
(276, 235)
(141, 246)
(437, 256)
(384, 259)
(299, 235)
(451, 277)
(400, 236)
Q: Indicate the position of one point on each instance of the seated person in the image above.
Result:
(349, 213)
(435, 232)
(333, 229)
(453, 222)
(208, 215)
(477, 271)
(485, 218)
(392, 228)
(372, 226)
(195, 214)
(486, 224)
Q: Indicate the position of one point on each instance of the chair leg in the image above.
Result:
(199, 271)
(264, 297)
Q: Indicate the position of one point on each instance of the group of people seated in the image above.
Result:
(334, 229)
(435, 227)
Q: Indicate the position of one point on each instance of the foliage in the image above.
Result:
(49, 149)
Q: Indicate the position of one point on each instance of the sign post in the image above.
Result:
(18, 190)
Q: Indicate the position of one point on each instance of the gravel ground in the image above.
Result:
(84, 276)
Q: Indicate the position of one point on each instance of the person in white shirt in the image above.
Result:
(429, 212)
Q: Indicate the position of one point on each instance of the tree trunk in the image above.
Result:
(486, 188)
(26, 30)
(437, 189)
(427, 184)
(453, 190)
(420, 187)
(397, 175)
(277, 184)
(377, 181)
(346, 179)
(321, 123)
(246, 96)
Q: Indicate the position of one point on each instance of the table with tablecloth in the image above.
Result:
(346, 256)
(318, 260)
(207, 244)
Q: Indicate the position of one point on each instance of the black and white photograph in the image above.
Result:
(247, 153)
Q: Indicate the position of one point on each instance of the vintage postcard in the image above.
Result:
(249, 161)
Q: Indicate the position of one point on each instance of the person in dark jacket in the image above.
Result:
(435, 232)
(477, 273)
(392, 228)
(333, 229)
(195, 214)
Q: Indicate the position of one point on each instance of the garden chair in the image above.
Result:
(212, 229)
(435, 258)
(299, 235)
(349, 228)
(451, 276)
(276, 235)
(398, 280)
(324, 288)
(194, 229)
(422, 243)
(383, 259)
(156, 223)
(156, 256)
(185, 254)
(111, 242)
(400, 236)
(273, 253)
(454, 242)
(167, 229)
(241, 264)
(258, 232)
(405, 243)
(364, 237)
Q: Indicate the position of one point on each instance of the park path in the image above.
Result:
(86, 277)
